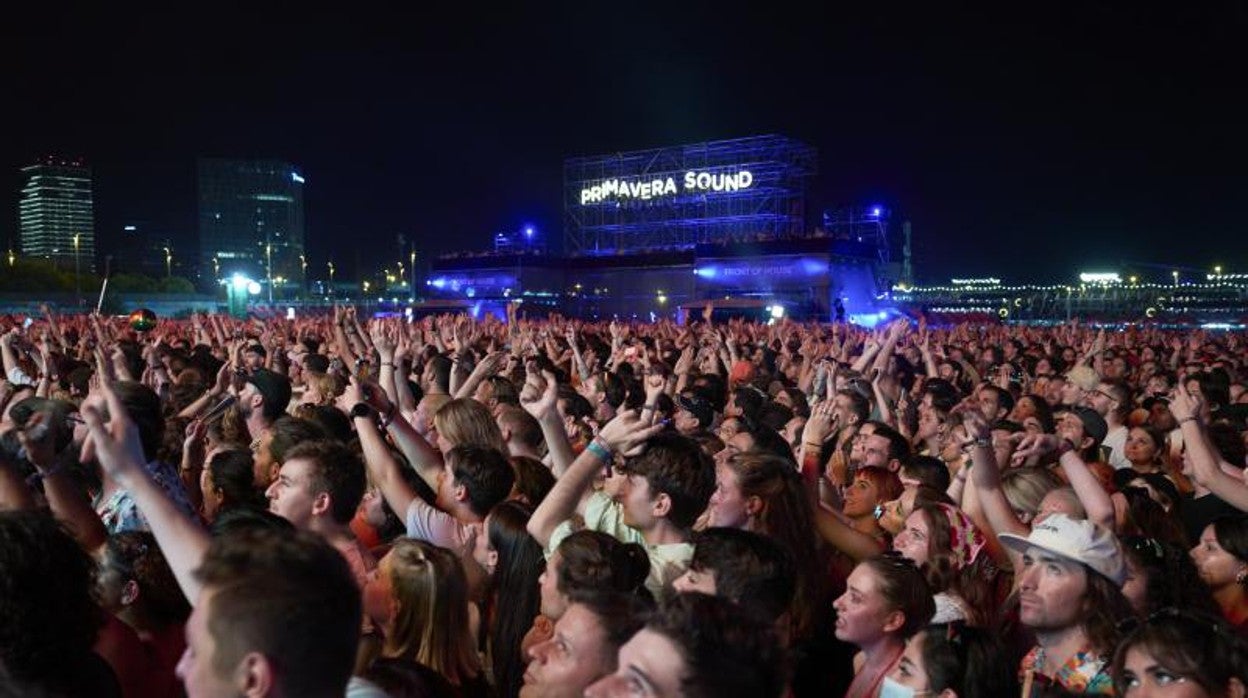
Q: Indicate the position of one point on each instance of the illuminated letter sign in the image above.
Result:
(645, 190)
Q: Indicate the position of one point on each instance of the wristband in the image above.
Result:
(599, 451)
(648, 407)
(1189, 418)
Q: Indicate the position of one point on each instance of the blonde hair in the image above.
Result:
(430, 624)
(466, 422)
(1025, 488)
(329, 385)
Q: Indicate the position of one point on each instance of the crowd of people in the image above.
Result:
(344, 506)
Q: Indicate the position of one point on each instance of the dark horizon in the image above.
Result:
(1028, 147)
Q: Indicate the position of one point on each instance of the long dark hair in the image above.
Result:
(787, 518)
(971, 661)
(515, 597)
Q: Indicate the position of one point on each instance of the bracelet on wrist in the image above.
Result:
(599, 450)
(1189, 418)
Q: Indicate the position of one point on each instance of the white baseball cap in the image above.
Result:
(1074, 539)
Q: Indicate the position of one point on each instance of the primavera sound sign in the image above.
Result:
(659, 187)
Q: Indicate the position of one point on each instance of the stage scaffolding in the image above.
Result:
(772, 206)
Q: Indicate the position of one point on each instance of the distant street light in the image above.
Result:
(168, 261)
(268, 254)
(77, 274)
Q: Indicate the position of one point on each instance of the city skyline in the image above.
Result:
(1097, 137)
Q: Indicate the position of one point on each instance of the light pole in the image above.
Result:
(303, 266)
(77, 274)
(412, 259)
(268, 255)
(331, 279)
(216, 266)
(168, 263)
(1175, 274)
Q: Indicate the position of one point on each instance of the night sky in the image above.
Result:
(1026, 146)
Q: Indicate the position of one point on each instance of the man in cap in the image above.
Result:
(1070, 597)
(262, 399)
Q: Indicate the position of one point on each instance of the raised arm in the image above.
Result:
(1207, 465)
(539, 397)
(117, 447)
(832, 528)
(68, 501)
(625, 434)
(383, 470)
(1093, 497)
(986, 476)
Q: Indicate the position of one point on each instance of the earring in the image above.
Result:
(1242, 576)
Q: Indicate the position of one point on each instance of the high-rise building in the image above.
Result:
(56, 213)
(251, 223)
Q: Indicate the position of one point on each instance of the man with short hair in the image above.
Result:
(698, 646)
(1070, 597)
(667, 486)
(584, 645)
(270, 449)
(472, 480)
(521, 431)
(1112, 401)
(279, 615)
(318, 489)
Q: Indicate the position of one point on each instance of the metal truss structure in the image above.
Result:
(742, 190)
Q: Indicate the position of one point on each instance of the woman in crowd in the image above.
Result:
(135, 584)
(1179, 652)
(1160, 574)
(1221, 558)
(946, 545)
(419, 599)
(585, 561)
(885, 602)
(764, 494)
(513, 561)
(871, 487)
(952, 660)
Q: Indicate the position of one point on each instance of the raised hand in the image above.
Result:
(115, 444)
(540, 394)
(1185, 406)
(821, 424)
(627, 433)
(1035, 445)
